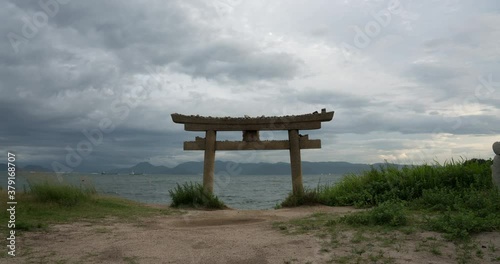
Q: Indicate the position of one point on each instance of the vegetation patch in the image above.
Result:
(455, 199)
(51, 203)
(407, 184)
(193, 195)
(390, 213)
(65, 195)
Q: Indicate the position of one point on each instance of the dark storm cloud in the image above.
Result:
(224, 59)
(85, 55)
(134, 35)
(98, 45)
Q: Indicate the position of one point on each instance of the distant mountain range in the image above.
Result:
(3, 167)
(280, 168)
(262, 168)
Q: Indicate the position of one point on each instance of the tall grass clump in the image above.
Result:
(195, 196)
(307, 197)
(65, 195)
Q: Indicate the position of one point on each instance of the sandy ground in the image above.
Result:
(228, 236)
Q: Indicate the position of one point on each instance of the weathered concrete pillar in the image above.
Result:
(495, 168)
(295, 162)
(209, 162)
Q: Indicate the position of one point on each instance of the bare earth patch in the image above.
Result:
(233, 236)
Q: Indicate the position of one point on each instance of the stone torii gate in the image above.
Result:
(251, 141)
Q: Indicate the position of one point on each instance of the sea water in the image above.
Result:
(238, 192)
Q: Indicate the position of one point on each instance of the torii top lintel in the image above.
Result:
(299, 122)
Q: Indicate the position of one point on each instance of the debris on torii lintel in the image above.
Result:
(251, 135)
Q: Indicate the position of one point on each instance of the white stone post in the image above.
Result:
(495, 168)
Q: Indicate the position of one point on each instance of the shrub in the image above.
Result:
(308, 197)
(195, 196)
(460, 225)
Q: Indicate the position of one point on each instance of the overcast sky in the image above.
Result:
(409, 81)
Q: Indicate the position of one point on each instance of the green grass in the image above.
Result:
(390, 213)
(65, 195)
(456, 198)
(193, 195)
(47, 204)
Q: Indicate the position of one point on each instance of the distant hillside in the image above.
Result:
(192, 167)
(37, 168)
(280, 168)
(338, 167)
(262, 168)
(143, 167)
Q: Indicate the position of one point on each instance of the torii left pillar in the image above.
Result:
(209, 162)
(295, 162)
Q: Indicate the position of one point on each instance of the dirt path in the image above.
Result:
(228, 236)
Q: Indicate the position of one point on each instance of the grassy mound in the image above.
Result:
(50, 203)
(456, 198)
(194, 195)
